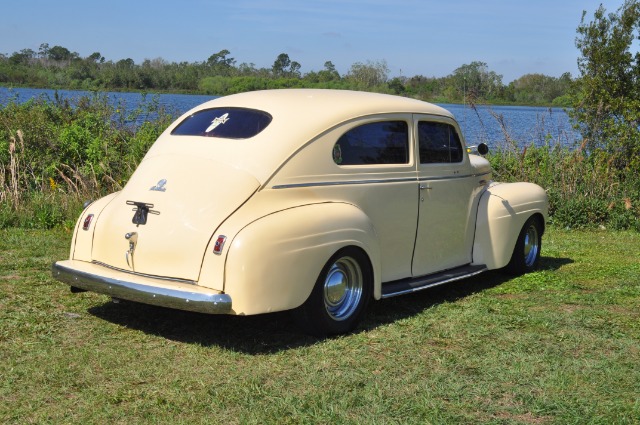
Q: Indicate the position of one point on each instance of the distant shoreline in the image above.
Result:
(200, 93)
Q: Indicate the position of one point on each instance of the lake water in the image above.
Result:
(492, 125)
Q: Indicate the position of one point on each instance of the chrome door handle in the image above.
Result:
(425, 187)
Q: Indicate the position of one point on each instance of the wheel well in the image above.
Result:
(540, 219)
(368, 264)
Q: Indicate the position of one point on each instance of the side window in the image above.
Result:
(439, 143)
(385, 142)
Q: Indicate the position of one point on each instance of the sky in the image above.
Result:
(415, 37)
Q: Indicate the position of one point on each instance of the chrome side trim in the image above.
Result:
(375, 181)
(466, 176)
(169, 279)
(203, 301)
(344, 183)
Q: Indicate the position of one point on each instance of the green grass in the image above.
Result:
(558, 346)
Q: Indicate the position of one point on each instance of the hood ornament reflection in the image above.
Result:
(159, 187)
(217, 121)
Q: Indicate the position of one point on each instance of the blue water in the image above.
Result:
(522, 125)
(493, 125)
(174, 103)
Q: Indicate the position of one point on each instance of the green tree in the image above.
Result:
(220, 63)
(43, 51)
(25, 56)
(538, 89)
(606, 95)
(370, 74)
(284, 67)
(329, 73)
(281, 65)
(96, 57)
(476, 82)
(294, 70)
(396, 85)
(59, 53)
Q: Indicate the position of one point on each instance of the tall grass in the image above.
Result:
(57, 153)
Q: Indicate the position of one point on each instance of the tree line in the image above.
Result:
(219, 74)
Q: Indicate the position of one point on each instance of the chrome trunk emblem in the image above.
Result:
(160, 186)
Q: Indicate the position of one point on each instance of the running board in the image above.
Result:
(406, 286)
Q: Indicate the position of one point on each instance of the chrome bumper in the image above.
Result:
(178, 296)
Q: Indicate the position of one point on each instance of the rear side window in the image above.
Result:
(226, 123)
(439, 143)
(385, 142)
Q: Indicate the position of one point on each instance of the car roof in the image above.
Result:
(335, 105)
(299, 115)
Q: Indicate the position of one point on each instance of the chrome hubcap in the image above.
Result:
(531, 245)
(343, 288)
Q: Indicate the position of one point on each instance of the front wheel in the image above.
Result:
(526, 254)
(340, 295)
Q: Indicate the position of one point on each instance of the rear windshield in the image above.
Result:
(227, 123)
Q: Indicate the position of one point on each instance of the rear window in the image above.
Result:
(226, 123)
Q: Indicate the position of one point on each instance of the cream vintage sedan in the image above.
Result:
(314, 201)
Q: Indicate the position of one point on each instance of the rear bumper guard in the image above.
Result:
(198, 299)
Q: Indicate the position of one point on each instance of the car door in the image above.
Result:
(448, 197)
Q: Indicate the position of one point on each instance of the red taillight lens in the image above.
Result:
(217, 248)
(87, 222)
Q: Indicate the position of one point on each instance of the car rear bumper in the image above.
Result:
(142, 289)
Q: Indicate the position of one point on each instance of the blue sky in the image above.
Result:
(414, 37)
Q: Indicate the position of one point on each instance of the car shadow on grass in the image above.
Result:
(271, 333)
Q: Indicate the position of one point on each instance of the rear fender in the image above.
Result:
(82, 243)
(273, 263)
(502, 211)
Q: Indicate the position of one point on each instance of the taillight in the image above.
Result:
(217, 248)
(87, 222)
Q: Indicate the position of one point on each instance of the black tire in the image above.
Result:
(340, 295)
(526, 254)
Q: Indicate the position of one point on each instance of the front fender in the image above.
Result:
(502, 211)
(273, 263)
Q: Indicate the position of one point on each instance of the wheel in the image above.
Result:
(526, 254)
(340, 295)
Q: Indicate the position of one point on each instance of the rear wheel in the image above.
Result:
(526, 254)
(340, 295)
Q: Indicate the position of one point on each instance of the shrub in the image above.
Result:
(585, 189)
(54, 154)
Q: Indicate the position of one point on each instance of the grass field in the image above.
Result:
(559, 346)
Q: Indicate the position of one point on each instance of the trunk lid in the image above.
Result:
(163, 220)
